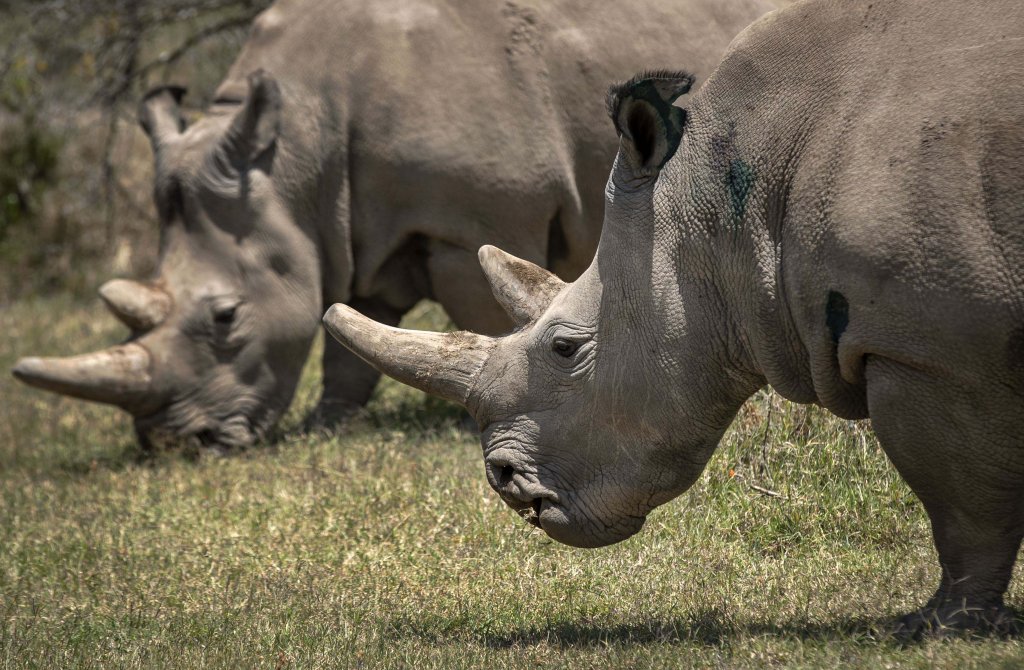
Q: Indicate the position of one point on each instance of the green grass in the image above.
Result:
(382, 546)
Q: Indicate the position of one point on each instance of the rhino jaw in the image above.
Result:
(561, 525)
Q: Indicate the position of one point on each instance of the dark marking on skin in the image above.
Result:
(737, 175)
(740, 182)
(1015, 358)
(837, 315)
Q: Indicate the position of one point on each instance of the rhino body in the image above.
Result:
(361, 153)
(839, 213)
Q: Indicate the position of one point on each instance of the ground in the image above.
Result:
(382, 546)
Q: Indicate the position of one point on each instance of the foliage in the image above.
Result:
(28, 163)
(381, 546)
(74, 197)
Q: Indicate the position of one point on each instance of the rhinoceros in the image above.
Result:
(838, 213)
(361, 152)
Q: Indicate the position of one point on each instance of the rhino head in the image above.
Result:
(612, 394)
(196, 365)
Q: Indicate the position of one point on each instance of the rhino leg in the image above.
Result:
(957, 448)
(348, 382)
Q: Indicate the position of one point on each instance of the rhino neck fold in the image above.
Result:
(740, 177)
(736, 259)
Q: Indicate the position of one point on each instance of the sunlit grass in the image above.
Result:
(381, 545)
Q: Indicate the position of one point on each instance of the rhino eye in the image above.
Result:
(224, 315)
(563, 347)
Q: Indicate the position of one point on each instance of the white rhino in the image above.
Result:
(839, 214)
(393, 139)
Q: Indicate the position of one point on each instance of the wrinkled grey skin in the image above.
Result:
(361, 152)
(843, 219)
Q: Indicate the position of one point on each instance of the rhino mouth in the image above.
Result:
(570, 525)
(531, 514)
(529, 510)
(230, 433)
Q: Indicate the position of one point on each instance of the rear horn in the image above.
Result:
(138, 306)
(523, 289)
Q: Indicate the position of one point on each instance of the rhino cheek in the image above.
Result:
(226, 403)
(206, 422)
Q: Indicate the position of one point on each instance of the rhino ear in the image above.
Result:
(160, 114)
(650, 127)
(523, 289)
(255, 126)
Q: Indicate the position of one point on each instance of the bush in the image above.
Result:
(75, 171)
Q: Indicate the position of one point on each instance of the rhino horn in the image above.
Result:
(523, 289)
(118, 375)
(160, 114)
(442, 364)
(137, 305)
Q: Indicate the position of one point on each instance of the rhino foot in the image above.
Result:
(956, 620)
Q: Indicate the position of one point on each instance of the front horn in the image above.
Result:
(442, 364)
(138, 306)
(117, 376)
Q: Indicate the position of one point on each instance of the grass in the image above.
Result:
(382, 546)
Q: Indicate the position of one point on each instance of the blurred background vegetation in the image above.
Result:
(75, 169)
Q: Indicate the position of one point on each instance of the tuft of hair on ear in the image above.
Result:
(643, 114)
(670, 84)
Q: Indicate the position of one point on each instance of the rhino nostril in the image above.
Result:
(506, 474)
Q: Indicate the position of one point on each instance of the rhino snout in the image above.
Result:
(519, 489)
(518, 483)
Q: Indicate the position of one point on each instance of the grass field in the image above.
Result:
(382, 546)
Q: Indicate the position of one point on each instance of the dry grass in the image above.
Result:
(382, 546)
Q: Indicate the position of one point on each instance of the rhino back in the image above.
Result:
(886, 141)
(913, 197)
(486, 108)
